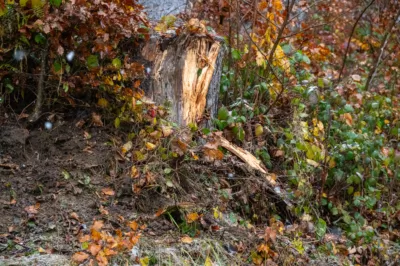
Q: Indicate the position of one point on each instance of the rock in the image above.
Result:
(36, 260)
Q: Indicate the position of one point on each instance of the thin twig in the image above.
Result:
(381, 50)
(350, 37)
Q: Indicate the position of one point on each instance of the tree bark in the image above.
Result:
(185, 75)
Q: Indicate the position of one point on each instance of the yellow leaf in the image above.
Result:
(259, 130)
(134, 172)
(277, 5)
(144, 261)
(312, 163)
(208, 262)
(126, 147)
(217, 213)
(150, 146)
(316, 131)
(102, 103)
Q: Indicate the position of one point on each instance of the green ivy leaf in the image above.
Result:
(92, 61)
(223, 113)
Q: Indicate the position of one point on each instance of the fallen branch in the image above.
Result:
(255, 164)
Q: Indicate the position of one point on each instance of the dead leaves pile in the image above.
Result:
(99, 246)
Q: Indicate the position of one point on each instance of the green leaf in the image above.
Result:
(57, 66)
(92, 61)
(236, 54)
(348, 108)
(223, 113)
(116, 62)
(239, 133)
(320, 228)
(199, 71)
(117, 122)
(56, 3)
(306, 59)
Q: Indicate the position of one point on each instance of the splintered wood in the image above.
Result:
(248, 158)
(182, 73)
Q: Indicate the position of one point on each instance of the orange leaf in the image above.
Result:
(94, 249)
(214, 154)
(159, 212)
(192, 217)
(101, 259)
(97, 225)
(110, 252)
(96, 236)
(80, 256)
(84, 238)
(186, 239)
(133, 225)
(108, 191)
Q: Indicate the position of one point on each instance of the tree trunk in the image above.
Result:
(185, 75)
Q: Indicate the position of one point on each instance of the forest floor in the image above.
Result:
(54, 184)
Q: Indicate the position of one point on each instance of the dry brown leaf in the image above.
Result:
(167, 131)
(96, 120)
(94, 249)
(213, 154)
(108, 191)
(186, 239)
(270, 234)
(84, 238)
(74, 215)
(80, 256)
(97, 225)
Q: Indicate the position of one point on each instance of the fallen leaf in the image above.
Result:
(167, 131)
(312, 162)
(356, 77)
(279, 153)
(133, 225)
(192, 217)
(186, 239)
(270, 234)
(126, 147)
(208, 262)
(80, 256)
(84, 238)
(74, 215)
(97, 225)
(108, 191)
(33, 209)
(213, 154)
(134, 172)
(150, 146)
(94, 249)
(96, 120)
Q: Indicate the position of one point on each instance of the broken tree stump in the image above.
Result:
(185, 75)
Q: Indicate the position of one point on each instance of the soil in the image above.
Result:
(51, 183)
